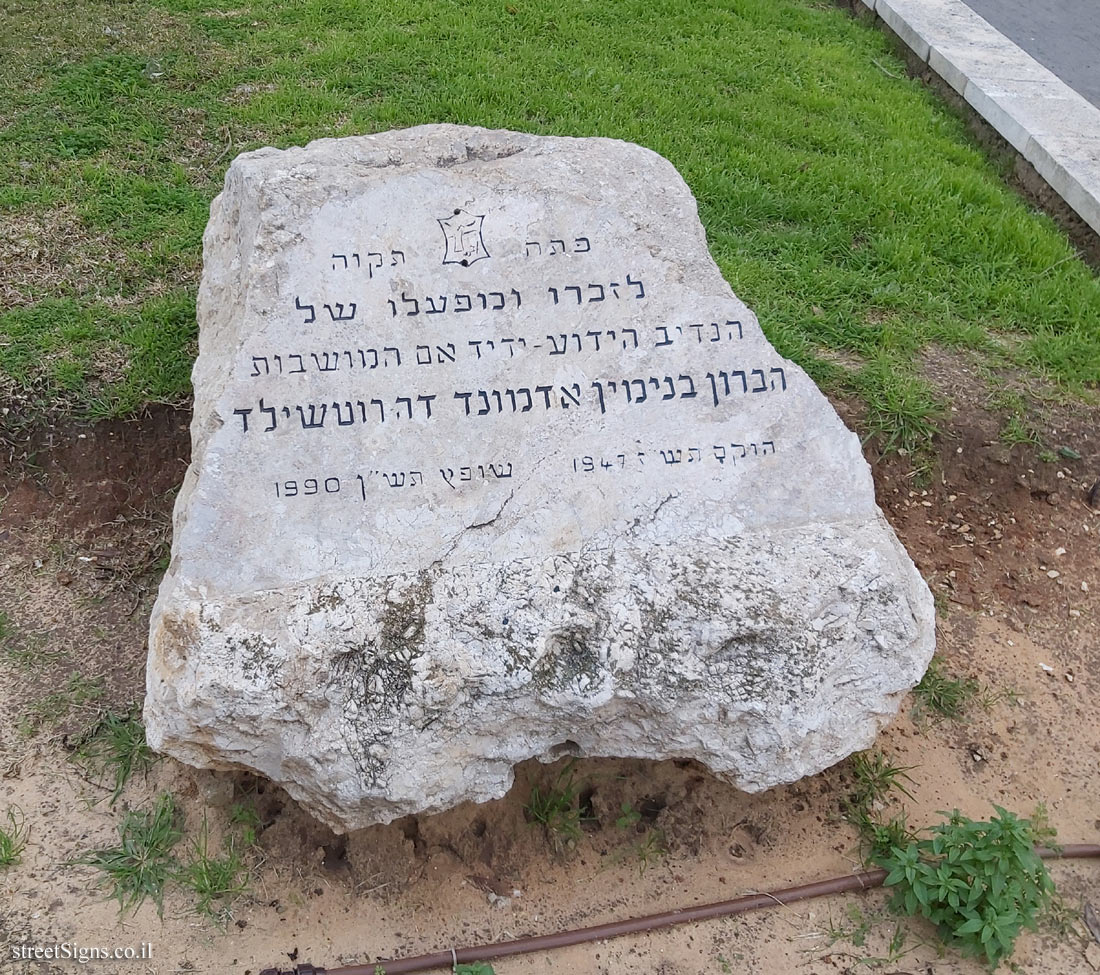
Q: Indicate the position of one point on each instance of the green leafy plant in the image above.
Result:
(115, 748)
(942, 603)
(979, 882)
(13, 837)
(879, 834)
(556, 809)
(473, 968)
(944, 695)
(213, 879)
(142, 863)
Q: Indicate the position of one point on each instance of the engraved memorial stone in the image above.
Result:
(489, 462)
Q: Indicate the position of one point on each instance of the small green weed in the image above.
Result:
(1003, 398)
(473, 968)
(630, 816)
(13, 837)
(142, 863)
(1063, 920)
(77, 693)
(244, 815)
(979, 882)
(991, 698)
(942, 694)
(115, 748)
(1042, 833)
(859, 925)
(895, 950)
(875, 779)
(650, 849)
(1017, 431)
(557, 809)
(28, 650)
(213, 879)
(877, 834)
(856, 930)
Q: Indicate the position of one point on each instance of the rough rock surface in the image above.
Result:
(490, 463)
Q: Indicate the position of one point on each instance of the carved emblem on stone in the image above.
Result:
(462, 232)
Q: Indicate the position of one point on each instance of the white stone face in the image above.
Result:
(489, 462)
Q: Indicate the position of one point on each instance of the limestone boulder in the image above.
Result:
(489, 462)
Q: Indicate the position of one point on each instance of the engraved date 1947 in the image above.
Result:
(635, 460)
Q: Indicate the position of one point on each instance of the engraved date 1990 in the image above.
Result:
(360, 485)
(307, 487)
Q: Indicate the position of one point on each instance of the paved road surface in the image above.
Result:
(1063, 35)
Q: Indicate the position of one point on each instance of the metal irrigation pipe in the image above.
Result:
(864, 880)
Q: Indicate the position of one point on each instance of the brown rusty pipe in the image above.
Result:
(614, 929)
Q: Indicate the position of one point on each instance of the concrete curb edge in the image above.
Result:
(1040, 116)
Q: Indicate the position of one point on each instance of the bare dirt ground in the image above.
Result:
(1007, 541)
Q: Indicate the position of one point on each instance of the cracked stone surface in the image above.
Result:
(489, 462)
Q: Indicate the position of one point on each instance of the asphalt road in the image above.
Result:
(1063, 35)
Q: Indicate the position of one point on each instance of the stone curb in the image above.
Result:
(1039, 115)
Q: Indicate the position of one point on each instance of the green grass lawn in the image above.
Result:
(849, 208)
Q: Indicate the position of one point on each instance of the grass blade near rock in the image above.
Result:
(13, 837)
(215, 880)
(943, 694)
(114, 748)
(142, 863)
